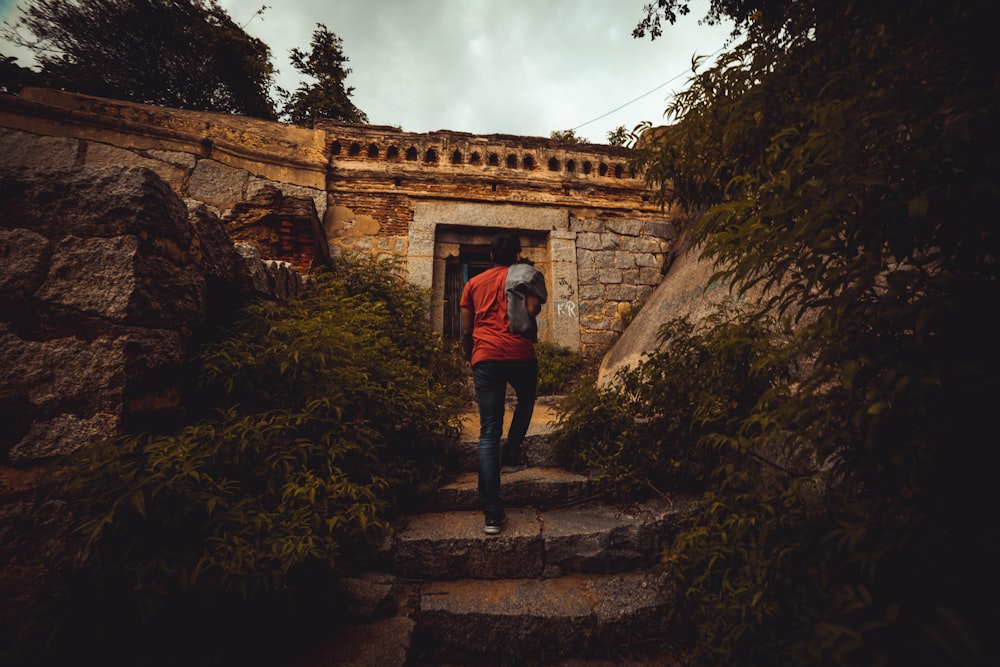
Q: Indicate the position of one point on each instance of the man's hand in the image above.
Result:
(467, 346)
(467, 324)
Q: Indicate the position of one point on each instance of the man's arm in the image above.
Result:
(467, 321)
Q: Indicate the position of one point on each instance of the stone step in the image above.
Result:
(592, 538)
(538, 445)
(538, 487)
(536, 621)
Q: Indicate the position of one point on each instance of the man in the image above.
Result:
(499, 332)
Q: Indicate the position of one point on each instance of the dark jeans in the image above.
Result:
(491, 379)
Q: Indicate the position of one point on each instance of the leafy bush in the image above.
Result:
(321, 415)
(668, 421)
(557, 367)
(835, 159)
(787, 557)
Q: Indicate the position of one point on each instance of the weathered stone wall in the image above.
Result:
(620, 262)
(105, 275)
(420, 196)
(384, 192)
(215, 159)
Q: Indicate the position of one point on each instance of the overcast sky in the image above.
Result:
(524, 67)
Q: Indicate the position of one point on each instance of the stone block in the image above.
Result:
(624, 260)
(184, 160)
(103, 155)
(586, 225)
(25, 150)
(23, 263)
(663, 230)
(62, 435)
(650, 244)
(92, 275)
(218, 184)
(620, 292)
(106, 202)
(609, 276)
(646, 259)
(625, 227)
(604, 260)
(649, 276)
(589, 241)
(610, 242)
(586, 276)
(598, 338)
(591, 292)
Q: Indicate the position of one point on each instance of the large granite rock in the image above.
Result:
(688, 289)
(105, 274)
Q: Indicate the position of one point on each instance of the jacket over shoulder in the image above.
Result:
(524, 280)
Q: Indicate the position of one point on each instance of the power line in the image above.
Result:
(619, 108)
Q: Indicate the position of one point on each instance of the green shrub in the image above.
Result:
(557, 367)
(321, 415)
(667, 421)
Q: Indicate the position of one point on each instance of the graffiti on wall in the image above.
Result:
(565, 308)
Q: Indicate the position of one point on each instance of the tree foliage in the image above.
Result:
(567, 137)
(620, 137)
(326, 96)
(841, 157)
(187, 54)
(759, 15)
(13, 77)
(320, 417)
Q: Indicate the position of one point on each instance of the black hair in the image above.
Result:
(504, 248)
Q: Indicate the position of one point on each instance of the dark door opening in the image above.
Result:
(471, 260)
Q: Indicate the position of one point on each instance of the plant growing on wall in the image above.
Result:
(319, 416)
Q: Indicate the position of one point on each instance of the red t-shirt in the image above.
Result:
(492, 339)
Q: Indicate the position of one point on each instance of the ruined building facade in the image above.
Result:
(432, 201)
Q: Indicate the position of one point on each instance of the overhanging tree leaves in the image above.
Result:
(326, 97)
(13, 77)
(187, 54)
(843, 156)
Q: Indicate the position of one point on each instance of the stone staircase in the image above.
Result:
(571, 581)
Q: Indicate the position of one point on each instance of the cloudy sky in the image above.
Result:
(524, 67)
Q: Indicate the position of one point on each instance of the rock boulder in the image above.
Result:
(105, 276)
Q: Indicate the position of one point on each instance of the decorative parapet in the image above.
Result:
(362, 144)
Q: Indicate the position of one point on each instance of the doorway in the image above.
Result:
(472, 260)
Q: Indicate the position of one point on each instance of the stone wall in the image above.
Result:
(620, 262)
(105, 276)
(423, 199)
(214, 159)
(585, 216)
